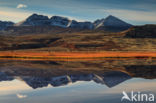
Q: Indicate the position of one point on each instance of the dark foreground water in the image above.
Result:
(93, 81)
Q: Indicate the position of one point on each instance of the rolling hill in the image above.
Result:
(67, 40)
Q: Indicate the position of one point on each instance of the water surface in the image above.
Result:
(91, 81)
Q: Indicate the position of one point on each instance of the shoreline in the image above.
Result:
(76, 55)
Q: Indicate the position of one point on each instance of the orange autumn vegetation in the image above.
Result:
(111, 54)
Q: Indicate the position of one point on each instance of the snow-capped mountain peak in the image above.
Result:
(35, 20)
(64, 22)
(37, 17)
(41, 20)
(114, 21)
(111, 21)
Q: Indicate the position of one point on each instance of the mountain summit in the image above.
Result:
(34, 20)
(111, 22)
(41, 20)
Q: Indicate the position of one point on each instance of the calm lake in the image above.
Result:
(75, 81)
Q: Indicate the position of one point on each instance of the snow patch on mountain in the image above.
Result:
(41, 20)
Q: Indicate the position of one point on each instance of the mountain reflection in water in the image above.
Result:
(38, 74)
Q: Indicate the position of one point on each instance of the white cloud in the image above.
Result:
(20, 96)
(21, 6)
(17, 15)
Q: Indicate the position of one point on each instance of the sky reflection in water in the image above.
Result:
(84, 87)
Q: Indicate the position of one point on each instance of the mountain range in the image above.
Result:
(62, 34)
(110, 72)
(5, 24)
(110, 79)
(108, 23)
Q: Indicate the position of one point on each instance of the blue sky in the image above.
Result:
(136, 12)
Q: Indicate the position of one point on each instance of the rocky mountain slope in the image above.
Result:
(5, 24)
(41, 20)
(146, 31)
(110, 23)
